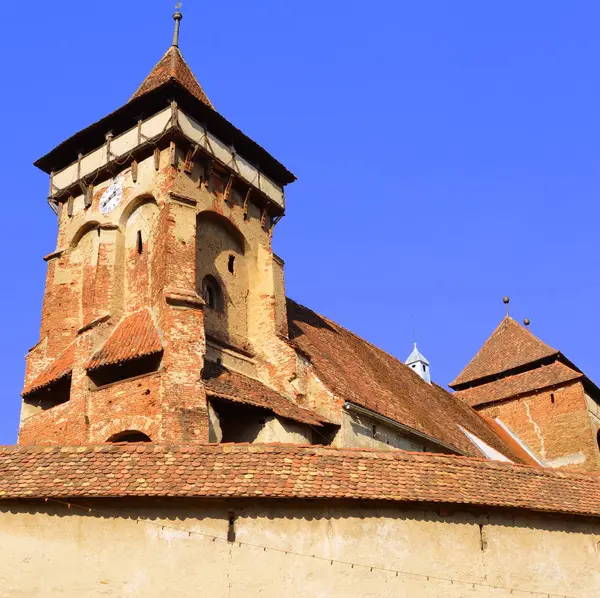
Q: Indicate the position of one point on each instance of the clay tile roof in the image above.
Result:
(290, 472)
(60, 368)
(224, 384)
(360, 373)
(510, 346)
(172, 67)
(526, 457)
(134, 337)
(538, 378)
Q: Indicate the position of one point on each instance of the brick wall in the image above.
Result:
(554, 424)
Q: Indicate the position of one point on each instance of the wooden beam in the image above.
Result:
(189, 159)
(227, 191)
(173, 154)
(70, 202)
(109, 138)
(156, 158)
(208, 169)
(134, 171)
(246, 201)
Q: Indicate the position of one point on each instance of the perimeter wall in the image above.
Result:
(50, 550)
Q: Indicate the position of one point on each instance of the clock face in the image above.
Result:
(111, 198)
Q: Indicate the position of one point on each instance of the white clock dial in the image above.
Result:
(111, 198)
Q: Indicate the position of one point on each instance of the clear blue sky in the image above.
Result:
(447, 154)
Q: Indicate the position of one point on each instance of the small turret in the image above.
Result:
(417, 362)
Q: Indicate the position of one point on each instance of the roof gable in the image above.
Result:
(172, 67)
(510, 346)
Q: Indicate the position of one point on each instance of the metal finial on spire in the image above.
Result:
(527, 322)
(177, 17)
(506, 301)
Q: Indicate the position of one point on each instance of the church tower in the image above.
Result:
(163, 270)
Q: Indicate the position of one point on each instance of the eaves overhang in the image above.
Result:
(127, 116)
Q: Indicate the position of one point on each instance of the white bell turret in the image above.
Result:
(417, 362)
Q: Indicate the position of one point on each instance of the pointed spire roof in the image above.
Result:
(510, 346)
(416, 357)
(172, 67)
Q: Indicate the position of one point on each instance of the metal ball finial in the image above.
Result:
(527, 321)
(506, 300)
(177, 18)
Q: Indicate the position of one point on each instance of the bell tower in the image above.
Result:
(163, 264)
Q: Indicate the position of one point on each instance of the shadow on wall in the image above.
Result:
(222, 277)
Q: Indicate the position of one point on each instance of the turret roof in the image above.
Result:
(509, 347)
(172, 67)
(416, 357)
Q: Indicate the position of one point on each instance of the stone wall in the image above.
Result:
(50, 550)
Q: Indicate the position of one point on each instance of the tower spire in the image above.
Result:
(177, 18)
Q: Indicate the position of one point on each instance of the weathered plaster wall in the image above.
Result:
(554, 424)
(48, 550)
(361, 431)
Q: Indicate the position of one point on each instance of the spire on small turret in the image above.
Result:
(177, 18)
(418, 362)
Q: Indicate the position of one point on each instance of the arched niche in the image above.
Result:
(129, 436)
(136, 253)
(222, 273)
(76, 276)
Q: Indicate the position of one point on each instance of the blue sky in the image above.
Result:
(447, 154)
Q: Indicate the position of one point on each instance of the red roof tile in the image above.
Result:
(134, 337)
(290, 472)
(172, 67)
(360, 373)
(60, 368)
(232, 386)
(541, 377)
(510, 346)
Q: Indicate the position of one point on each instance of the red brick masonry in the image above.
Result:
(289, 471)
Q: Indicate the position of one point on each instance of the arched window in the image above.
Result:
(212, 294)
(598, 438)
(129, 436)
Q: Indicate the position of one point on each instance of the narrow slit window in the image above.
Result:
(231, 264)
(212, 294)
(140, 243)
